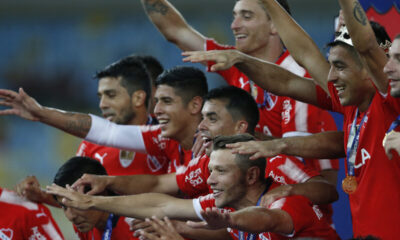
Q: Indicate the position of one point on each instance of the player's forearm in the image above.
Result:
(321, 145)
(253, 220)
(201, 234)
(364, 40)
(299, 43)
(77, 124)
(316, 190)
(133, 184)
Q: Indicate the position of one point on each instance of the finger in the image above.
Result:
(145, 235)
(192, 224)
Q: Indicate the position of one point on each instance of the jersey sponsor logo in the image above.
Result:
(41, 214)
(153, 163)
(36, 235)
(364, 157)
(6, 234)
(194, 177)
(279, 179)
(126, 158)
(287, 108)
(100, 157)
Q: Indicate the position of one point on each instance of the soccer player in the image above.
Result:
(255, 35)
(25, 220)
(346, 85)
(237, 185)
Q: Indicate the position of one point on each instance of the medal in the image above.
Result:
(349, 184)
(394, 124)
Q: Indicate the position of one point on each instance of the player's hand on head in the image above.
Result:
(97, 183)
(70, 197)
(256, 149)
(20, 104)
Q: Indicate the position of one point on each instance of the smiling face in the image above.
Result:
(86, 220)
(171, 112)
(349, 78)
(115, 102)
(227, 180)
(251, 26)
(216, 121)
(392, 68)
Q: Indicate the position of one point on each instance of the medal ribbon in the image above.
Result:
(352, 143)
(267, 97)
(109, 227)
(394, 125)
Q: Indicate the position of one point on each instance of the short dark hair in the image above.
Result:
(75, 167)
(133, 73)
(380, 32)
(240, 104)
(153, 67)
(188, 82)
(242, 160)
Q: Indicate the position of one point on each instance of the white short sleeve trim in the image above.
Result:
(197, 208)
(127, 137)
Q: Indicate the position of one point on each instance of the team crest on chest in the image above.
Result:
(126, 158)
(6, 234)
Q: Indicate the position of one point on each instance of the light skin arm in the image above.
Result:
(172, 25)
(320, 145)
(299, 43)
(316, 189)
(24, 106)
(269, 76)
(364, 41)
(250, 219)
(133, 184)
(138, 206)
(30, 188)
(392, 144)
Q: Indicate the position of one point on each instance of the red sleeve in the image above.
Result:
(192, 178)
(288, 170)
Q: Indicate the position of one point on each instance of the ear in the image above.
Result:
(253, 174)
(138, 98)
(195, 105)
(241, 126)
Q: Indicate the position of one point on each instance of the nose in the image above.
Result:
(332, 76)
(158, 108)
(211, 180)
(236, 23)
(103, 103)
(202, 125)
(389, 67)
(70, 214)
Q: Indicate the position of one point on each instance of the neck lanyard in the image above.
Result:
(352, 142)
(394, 125)
(252, 236)
(109, 227)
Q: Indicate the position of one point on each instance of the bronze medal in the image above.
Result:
(349, 184)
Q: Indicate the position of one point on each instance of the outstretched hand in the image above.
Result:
(70, 197)
(224, 59)
(29, 188)
(20, 104)
(164, 230)
(214, 218)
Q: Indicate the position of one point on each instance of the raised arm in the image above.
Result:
(94, 129)
(133, 184)
(269, 76)
(138, 206)
(172, 25)
(364, 41)
(299, 43)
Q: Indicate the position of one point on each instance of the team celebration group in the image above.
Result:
(256, 159)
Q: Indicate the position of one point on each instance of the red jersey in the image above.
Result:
(282, 116)
(192, 178)
(21, 219)
(307, 219)
(120, 231)
(120, 162)
(167, 148)
(375, 204)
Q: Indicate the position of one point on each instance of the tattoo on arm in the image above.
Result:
(80, 125)
(156, 7)
(359, 14)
